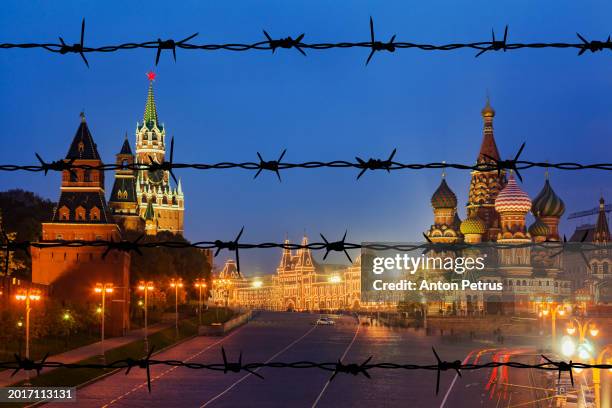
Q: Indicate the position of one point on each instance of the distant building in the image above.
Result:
(82, 214)
(592, 270)
(300, 283)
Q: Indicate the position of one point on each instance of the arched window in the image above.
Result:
(64, 213)
(87, 175)
(73, 176)
(124, 163)
(605, 267)
(94, 213)
(80, 213)
(144, 199)
(174, 202)
(165, 200)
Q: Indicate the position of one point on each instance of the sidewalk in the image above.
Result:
(82, 353)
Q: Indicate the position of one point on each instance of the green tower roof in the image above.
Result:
(150, 114)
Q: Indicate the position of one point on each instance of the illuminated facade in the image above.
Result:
(496, 211)
(300, 283)
(82, 214)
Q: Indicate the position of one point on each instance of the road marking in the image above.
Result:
(136, 388)
(228, 389)
(341, 359)
(455, 380)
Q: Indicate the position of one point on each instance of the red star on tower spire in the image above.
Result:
(151, 75)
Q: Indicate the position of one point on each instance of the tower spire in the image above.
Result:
(150, 114)
(488, 146)
(602, 230)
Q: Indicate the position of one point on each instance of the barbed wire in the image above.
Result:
(234, 246)
(276, 166)
(338, 367)
(268, 43)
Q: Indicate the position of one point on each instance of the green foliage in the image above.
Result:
(23, 212)
(50, 331)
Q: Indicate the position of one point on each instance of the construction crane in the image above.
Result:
(593, 211)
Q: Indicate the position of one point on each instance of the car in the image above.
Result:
(325, 321)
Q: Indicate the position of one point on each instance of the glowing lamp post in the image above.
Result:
(176, 284)
(146, 287)
(28, 296)
(583, 328)
(200, 284)
(103, 289)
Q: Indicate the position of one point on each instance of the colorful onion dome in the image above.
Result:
(512, 198)
(473, 225)
(444, 197)
(547, 203)
(488, 111)
(539, 229)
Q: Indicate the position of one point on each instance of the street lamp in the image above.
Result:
(176, 284)
(582, 329)
(67, 320)
(200, 284)
(28, 295)
(145, 287)
(597, 374)
(103, 289)
(554, 311)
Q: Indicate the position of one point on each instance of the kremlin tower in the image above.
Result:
(143, 199)
(123, 201)
(82, 214)
(485, 185)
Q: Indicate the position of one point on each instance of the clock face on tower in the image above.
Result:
(156, 176)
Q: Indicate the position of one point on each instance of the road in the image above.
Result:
(292, 337)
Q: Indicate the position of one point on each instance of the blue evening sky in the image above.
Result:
(225, 106)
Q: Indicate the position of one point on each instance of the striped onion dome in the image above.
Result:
(473, 225)
(539, 229)
(444, 197)
(547, 203)
(512, 198)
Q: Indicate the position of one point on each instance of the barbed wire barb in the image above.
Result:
(354, 369)
(496, 45)
(170, 45)
(562, 366)
(378, 45)
(375, 164)
(231, 246)
(144, 363)
(236, 367)
(338, 246)
(594, 45)
(443, 366)
(76, 48)
(287, 42)
(510, 164)
(271, 165)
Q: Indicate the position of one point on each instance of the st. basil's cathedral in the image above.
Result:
(497, 206)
